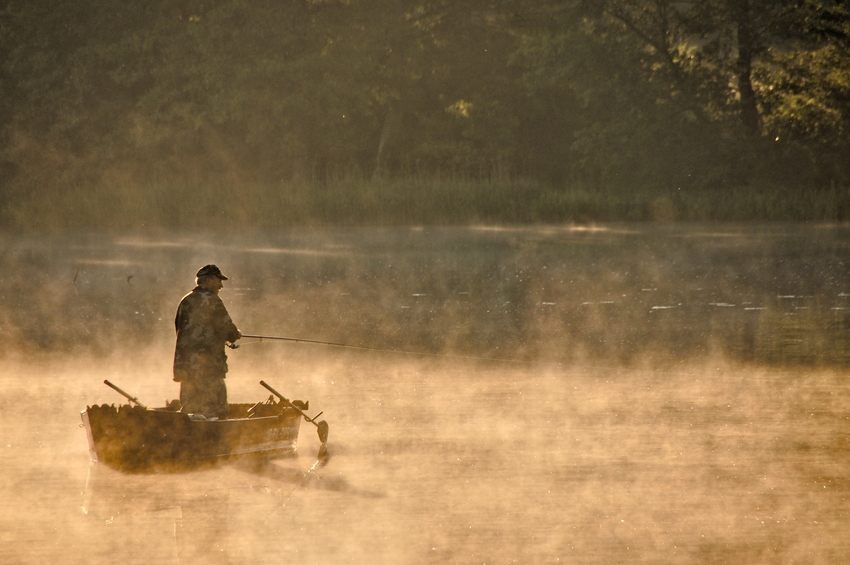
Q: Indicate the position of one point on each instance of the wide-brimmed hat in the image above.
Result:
(208, 270)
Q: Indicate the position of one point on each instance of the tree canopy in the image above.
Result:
(598, 92)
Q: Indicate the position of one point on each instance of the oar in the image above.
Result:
(321, 426)
(127, 396)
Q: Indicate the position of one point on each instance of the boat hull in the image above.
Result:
(135, 438)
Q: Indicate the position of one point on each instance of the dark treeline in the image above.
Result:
(604, 95)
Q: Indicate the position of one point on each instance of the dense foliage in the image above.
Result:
(597, 94)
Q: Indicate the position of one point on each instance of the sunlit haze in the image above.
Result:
(621, 394)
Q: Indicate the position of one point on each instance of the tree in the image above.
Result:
(687, 92)
(602, 92)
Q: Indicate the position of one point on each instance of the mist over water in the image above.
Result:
(661, 394)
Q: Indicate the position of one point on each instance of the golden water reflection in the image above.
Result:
(673, 395)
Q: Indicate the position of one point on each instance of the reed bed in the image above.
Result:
(410, 201)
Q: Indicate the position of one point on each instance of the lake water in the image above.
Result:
(616, 394)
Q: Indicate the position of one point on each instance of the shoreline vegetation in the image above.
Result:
(410, 201)
(346, 113)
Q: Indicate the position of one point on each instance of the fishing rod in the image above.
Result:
(381, 350)
(312, 341)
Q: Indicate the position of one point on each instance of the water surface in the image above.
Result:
(622, 394)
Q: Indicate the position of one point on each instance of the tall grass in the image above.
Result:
(411, 201)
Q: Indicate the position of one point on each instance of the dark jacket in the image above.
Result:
(203, 327)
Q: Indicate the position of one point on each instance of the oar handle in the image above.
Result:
(121, 392)
(284, 399)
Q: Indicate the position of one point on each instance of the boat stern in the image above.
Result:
(86, 425)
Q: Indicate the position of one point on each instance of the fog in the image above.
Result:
(539, 395)
(628, 293)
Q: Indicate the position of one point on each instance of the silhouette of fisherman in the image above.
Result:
(203, 329)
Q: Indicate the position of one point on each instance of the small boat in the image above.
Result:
(137, 438)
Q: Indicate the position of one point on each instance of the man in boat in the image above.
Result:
(203, 329)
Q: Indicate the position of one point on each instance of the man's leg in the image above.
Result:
(190, 397)
(216, 399)
(207, 396)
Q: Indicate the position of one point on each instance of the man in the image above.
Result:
(203, 329)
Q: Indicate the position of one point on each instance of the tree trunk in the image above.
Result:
(378, 171)
(744, 66)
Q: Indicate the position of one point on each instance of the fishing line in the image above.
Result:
(261, 338)
(688, 371)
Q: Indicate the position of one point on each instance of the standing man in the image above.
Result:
(203, 329)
